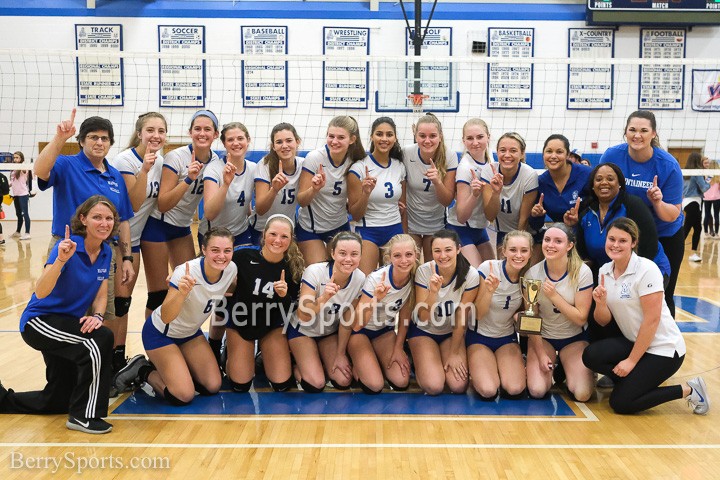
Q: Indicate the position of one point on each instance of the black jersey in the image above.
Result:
(255, 308)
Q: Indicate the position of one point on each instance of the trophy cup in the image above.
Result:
(529, 323)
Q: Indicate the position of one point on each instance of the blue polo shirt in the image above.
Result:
(76, 286)
(556, 203)
(639, 179)
(74, 179)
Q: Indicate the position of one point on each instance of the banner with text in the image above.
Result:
(264, 84)
(662, 87)
(345, 83)
(590, 87)
(182, 82)
(99, 81)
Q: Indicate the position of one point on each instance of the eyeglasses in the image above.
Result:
(95, 138)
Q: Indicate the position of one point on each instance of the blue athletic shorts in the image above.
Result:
(373, 334)
(379, 235)
(153, 339)
(158, 231)
(303, 235)
(560, 343)
(474, 338)
(469, 235)
(294, 332)
(415, 331)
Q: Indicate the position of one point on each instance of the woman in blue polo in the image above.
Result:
(654, 175)
(77, 354)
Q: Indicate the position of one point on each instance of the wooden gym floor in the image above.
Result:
(384, 437)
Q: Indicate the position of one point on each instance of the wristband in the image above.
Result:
(100, 316)
(188, 180)
(127, 258)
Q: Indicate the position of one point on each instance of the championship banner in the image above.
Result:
(182, 82)
(706, 90)
(99, 80)
(345, 83)
(510, 86)
(590, 87)
(264, 84)
(662, 87)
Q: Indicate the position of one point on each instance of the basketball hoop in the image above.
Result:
(417, 101)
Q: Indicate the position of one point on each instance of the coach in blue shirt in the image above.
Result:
(75, 178)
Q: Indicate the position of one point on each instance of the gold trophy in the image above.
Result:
(529, 323)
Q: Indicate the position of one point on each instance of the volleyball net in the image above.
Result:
(588, 100)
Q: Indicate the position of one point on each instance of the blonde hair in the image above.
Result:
(440, 157)
(387, 259)
(478, 122)
(522, 234)
(292, 255)
(574, 260)
(140, 124)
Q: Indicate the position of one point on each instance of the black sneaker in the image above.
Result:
(128, 378)
(88, 425)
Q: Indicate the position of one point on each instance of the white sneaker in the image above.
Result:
(698, 398)
(15, 235)
(695, 258)
(25, 236)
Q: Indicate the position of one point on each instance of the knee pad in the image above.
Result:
(508, 396)
(309, 388)
(337, 386)
(200, 388)
(241, 387)
(155, 299)
(122, 306)
(172, 400)
(368, 390)
(396, 388)
(284, 386)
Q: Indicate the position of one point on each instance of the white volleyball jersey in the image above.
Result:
(328, 209)
(506, 300)
(386, 310)
(642, 277)
(285, 200)
(382, 209)
(128, 162)
(477, 217)
(442, 315)
(511, 197)
(554, 324)
(328, 319)
(235, 213)
(426, 215)
(199, 304)
(178, 161)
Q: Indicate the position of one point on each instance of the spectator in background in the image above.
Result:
(712, 202)
(20, 187)
(694, 188)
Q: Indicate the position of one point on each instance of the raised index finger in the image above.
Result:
(472, 174)
(655, 181)
(320, 170)
(67, 232)
(187, 268)
(542, 196)
(280, 169)
(72, 116)
(282, 275)
(602, 281)
(432, 164)
(382, 280)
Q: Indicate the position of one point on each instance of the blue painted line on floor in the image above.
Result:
(343, 403)
(700, 308)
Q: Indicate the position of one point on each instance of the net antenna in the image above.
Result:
(418, 37)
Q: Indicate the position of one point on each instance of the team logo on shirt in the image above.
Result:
(625, 290)
(102, 274)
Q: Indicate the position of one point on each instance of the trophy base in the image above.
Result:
(529, 324)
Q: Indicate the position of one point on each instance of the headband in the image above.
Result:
(280, 215)
(205, 113)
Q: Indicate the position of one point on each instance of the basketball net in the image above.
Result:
(417, 101)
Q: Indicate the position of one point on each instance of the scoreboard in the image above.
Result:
(653, 12)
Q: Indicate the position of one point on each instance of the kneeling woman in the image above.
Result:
(445, 289)
(387, 297)
(182, 361)
(77, 354)
(494, 355)
(328, 297)
(564, 303)
(652, 348)
(268, 282)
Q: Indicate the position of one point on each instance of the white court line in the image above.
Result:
(404, 446)
(13, 307)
